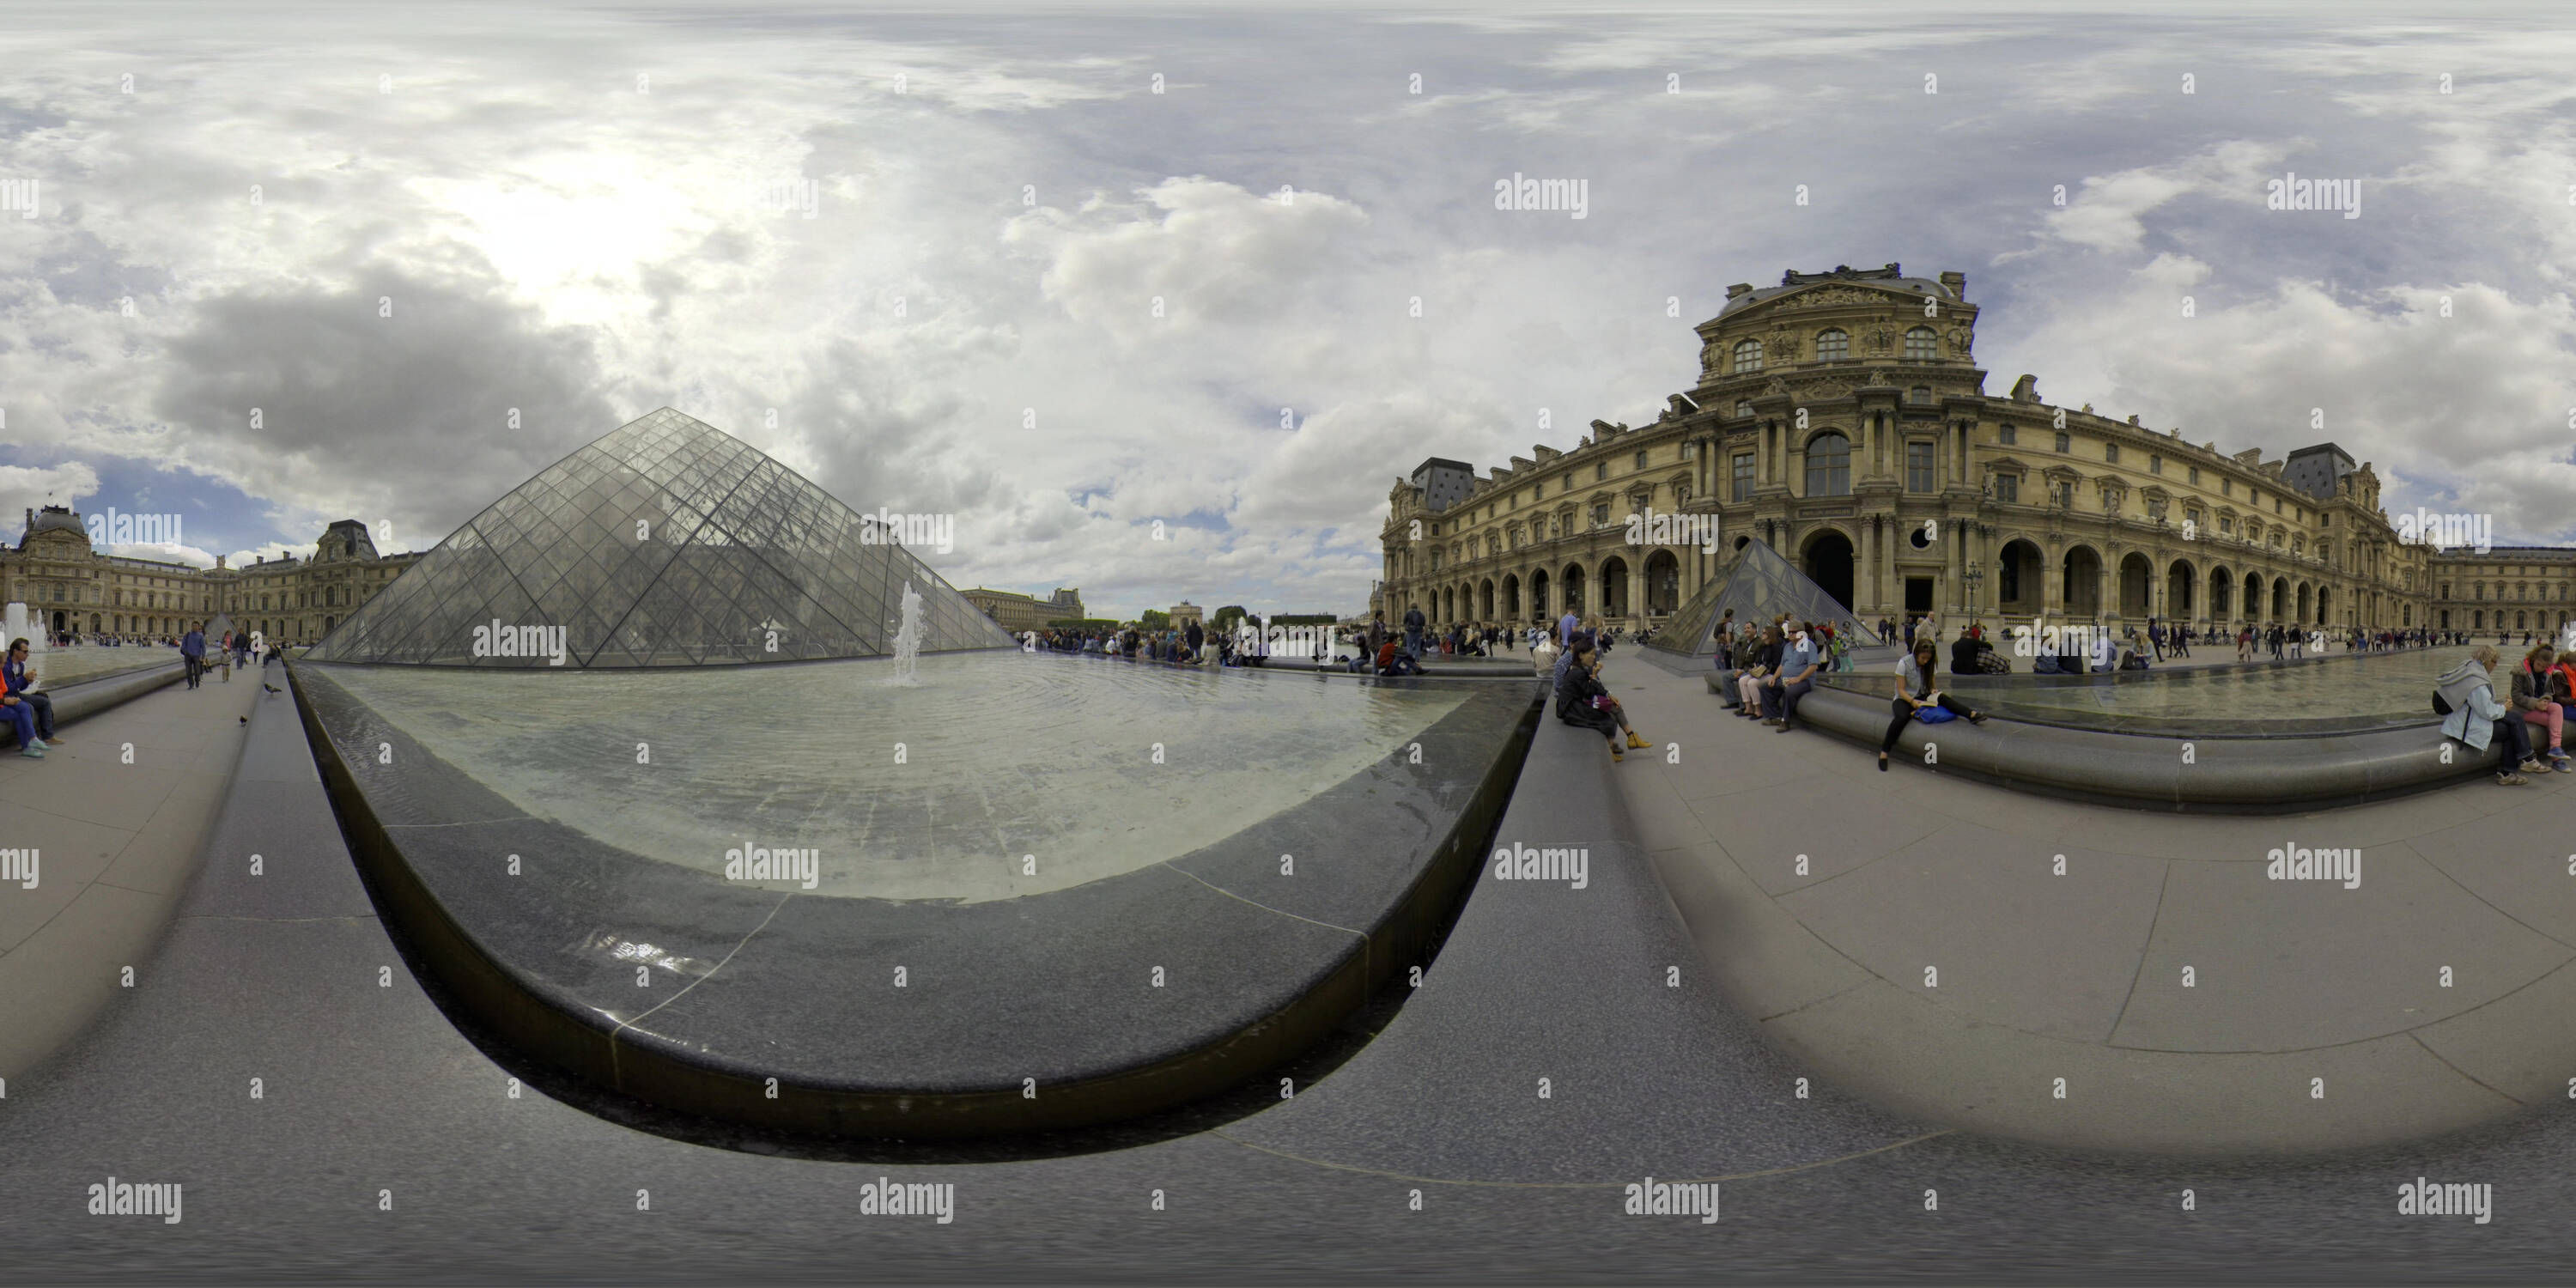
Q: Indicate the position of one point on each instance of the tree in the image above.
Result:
(1154, 619)
(1229, 613)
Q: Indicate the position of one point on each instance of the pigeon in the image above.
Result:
(245, 719)
(273, 689)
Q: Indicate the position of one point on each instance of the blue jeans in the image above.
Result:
(22, 718)
(1781, 703)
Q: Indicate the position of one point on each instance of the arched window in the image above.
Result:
(1743, 409)
(1833, 346)
(1922, 345)
(1748, 356)
(1829, 465)
(1920, 394)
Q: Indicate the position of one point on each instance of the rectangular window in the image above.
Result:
(1600, 470)
(1601, 515)
(1641, 460)
(2155, 465)
(1744, 476)
(2111, 452)
(2195, 474)
(2227, 487)
(2008, 435)
(2065, 495)
(2008, 488)
(2064, 443)
(1918, 467)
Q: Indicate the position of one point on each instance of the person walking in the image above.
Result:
(192, 648)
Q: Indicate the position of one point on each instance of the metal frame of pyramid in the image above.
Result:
(1757, 583)
(666, 542)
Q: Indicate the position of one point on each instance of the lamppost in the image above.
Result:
(1975, 575)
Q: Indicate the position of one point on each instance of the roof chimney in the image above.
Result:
(1731, 292)
(1957, 283)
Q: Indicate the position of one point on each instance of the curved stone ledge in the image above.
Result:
(773, 1034)
(2242, 775)
(89, 697)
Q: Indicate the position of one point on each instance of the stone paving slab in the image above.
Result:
(2080, 976)
(117, 842)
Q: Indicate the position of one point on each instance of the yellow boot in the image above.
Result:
(1636, 742)
(1615, 757)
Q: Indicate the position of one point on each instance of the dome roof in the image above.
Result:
(56, 518)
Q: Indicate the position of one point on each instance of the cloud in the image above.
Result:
(24, 488)
(2456, 393)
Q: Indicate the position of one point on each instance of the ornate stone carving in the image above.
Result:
(1830, 296)
(1959, 341)
(1881, 339)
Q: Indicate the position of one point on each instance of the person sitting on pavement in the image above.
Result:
(1914, 692)
(21, 716)
(2465, 699)
(1582, 700)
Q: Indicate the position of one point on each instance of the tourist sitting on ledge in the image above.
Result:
(1784, 688)
(1964, 654)
(2465, 698)
(2532, 702)
(1914, 692)
(1760, 660)
(1392, 659)
(1583, 702)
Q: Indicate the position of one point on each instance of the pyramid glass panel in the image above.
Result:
(665, 543)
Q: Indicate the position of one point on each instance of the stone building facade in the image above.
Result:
(1841, 417)
(1013, 611)
(76, 589)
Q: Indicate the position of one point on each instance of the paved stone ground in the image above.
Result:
(1917, 940)
(116, 843)
(384, 1145)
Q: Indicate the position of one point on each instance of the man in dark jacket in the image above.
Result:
(1413, 626)
(1963, 654)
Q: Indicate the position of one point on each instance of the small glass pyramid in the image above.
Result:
(1757, 584)
(665, 543)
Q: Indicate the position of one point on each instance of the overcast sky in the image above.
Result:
(585, 215)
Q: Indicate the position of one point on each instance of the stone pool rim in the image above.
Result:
(533, 1014)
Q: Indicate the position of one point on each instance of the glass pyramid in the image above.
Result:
(666, 543)
(1758, 585)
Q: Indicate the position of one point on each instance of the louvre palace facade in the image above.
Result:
(1841, 418)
